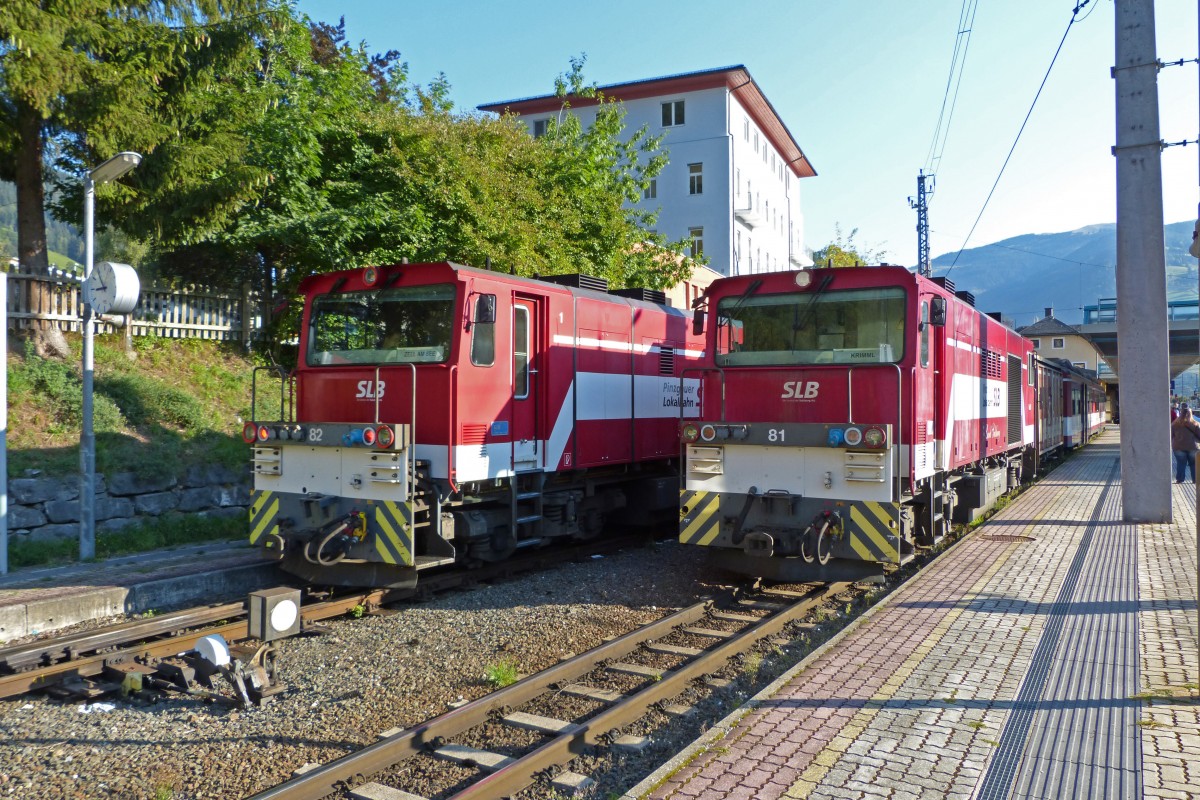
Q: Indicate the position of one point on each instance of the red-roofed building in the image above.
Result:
(733, 182)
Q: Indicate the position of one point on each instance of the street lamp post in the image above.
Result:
(110, 170)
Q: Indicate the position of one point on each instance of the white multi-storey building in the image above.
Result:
(732, 186)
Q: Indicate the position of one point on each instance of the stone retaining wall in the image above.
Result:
(48, 508)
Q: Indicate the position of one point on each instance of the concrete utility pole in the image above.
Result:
(1141, 271)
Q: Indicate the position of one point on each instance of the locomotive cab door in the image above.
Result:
(527, 450)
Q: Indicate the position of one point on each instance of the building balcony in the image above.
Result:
(749, 216)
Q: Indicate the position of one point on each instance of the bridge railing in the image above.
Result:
(1105, 310)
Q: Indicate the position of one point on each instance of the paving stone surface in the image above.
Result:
(1062, 663)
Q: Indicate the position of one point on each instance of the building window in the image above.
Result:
(1037, 343)
(651, 191)
(672, 114)
(695, 179)
(756, 141)
(697, 235)
(1079, 364)
(739, 181)
(737, 250)
(1058, 344)
(746, 128)
(539, 127)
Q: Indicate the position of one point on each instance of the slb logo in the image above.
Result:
(804, 390)
(366, 390)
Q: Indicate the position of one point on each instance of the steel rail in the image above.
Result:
(337, 775)
(91, 666)
(72, 646)
(564, 747)
(328, 778)
(128, 641)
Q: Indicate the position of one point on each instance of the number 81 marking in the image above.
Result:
(775, 434)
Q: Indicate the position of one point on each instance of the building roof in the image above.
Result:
(736, 78)
(1048, 326)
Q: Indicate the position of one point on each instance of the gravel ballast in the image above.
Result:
(347, 686)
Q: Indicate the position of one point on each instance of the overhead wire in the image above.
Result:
(1028, 114)
(958, 60)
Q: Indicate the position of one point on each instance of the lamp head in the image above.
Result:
(115, 167)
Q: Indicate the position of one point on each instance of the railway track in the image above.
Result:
(93, 662)
(728, 629)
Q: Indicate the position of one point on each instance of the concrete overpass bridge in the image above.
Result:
(1183, 334)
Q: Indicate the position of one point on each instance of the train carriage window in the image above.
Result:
(520, 352)
(410, 324)
(851, 326)
(925, 333)
(483, 331)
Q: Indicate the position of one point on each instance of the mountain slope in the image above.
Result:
(1022, 275)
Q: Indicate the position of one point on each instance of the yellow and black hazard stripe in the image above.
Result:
(871, 530)
(699, 520)
(264, 517)
(394, 533)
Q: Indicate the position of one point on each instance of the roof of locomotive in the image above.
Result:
(847, 277)
(354, 279)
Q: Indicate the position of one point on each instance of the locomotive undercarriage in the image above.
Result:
(339, 541)
(786, 537)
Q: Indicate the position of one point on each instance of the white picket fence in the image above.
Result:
(54, 300)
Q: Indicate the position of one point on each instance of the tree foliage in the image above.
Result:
(843, 252)
(84, 80)
(275, 149)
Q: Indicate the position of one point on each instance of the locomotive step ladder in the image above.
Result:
(525, 504)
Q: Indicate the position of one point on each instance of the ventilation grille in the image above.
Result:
(578, 281)
(945, 283)
(473, 433)
(991, 362)
(666, 361)
(649, 295)
(966, 297)
(1014, 399)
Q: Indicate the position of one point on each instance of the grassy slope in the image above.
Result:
(178, 402)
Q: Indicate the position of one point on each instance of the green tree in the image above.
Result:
(81, 81)
(843, 252)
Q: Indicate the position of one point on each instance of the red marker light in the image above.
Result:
(385, 437)
(368, 436)
(249, 432)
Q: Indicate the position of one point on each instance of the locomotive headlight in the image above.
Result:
(874, 437)
(854, 436)
(265, 433)
(803, 278)
(708, 433)
(370, 275)
(690, 433)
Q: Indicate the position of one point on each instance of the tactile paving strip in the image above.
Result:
(1072, 731)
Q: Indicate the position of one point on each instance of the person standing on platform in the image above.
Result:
(1185, 441)
(1174, 412)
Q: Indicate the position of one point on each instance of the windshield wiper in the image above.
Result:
(751, 289)
(806, 315)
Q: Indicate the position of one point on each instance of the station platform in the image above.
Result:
(41, 599)
(1051, 653)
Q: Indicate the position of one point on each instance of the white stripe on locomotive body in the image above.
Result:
(602, 396)
(961, 345)
(964, 406)
(622, 347)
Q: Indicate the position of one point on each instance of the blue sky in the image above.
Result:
(859, 83)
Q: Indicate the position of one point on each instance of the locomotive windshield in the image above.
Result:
(409, 324)
(851, 326)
